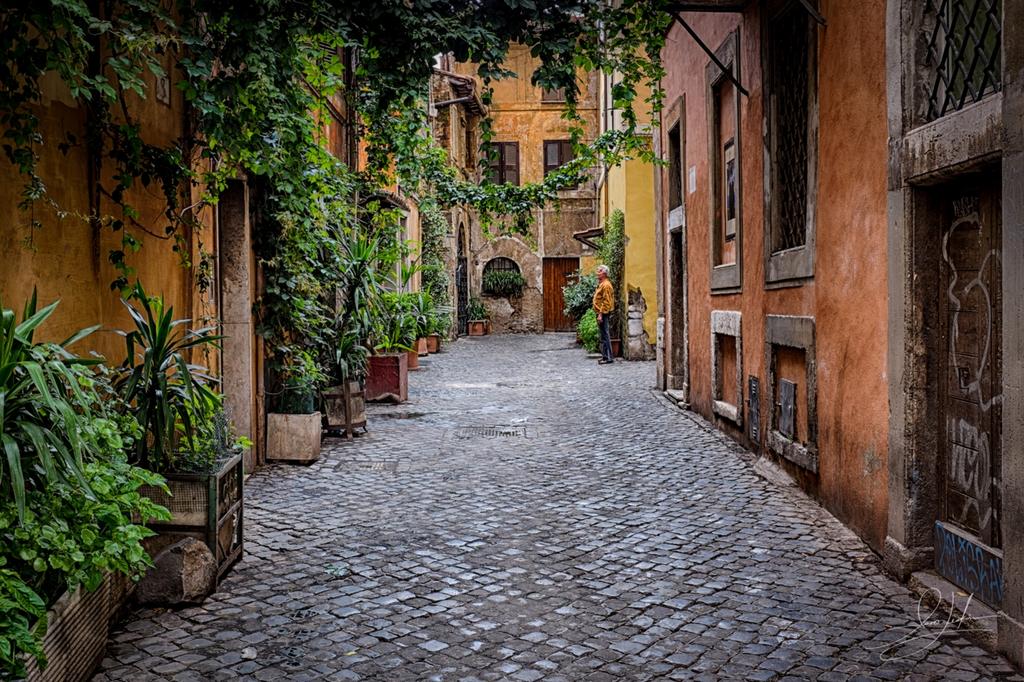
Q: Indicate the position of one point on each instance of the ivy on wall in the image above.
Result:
(256, 77)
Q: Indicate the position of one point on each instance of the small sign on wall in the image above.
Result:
(691, 183)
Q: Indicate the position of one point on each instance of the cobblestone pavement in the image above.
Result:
(595, 534)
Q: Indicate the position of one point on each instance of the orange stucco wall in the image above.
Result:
(847, 296)
(66, 259)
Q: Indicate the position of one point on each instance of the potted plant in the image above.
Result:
(70, 508)
(387, 376)
(421, 306)
(294, 424)
(185, 435)
(479, 318)
(344, 405)
(505, 283)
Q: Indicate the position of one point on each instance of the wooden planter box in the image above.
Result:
(77, 629)
(294, 437)
(433, 343)
(344, 409)
(421, 346)
(479, 327)
(387, 378)
(207, 507)
(413, 361)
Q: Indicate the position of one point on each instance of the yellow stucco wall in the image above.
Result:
(66, 258)
(629, 187)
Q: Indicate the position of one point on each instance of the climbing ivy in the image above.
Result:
(257, 77)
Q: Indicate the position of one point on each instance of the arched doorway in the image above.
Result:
(462, 284)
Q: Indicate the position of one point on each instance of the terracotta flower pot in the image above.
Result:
(421, 346)
(433, 343)
(414, 360)
(387, 378)
(479, 327)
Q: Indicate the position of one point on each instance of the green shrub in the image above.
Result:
(68, 496)
(589, 332)
(476, 310)
(507, 283)
(579, 294)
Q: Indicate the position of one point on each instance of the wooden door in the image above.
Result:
(556, 275)
(971, 386)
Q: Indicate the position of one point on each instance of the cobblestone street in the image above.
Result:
(530, 515)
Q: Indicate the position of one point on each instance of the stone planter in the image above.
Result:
(413, 362)
(433, 343)
(388, 378)
(293, 437)
(344, 408)
(479, 327)
(207, 507)
(421, 346)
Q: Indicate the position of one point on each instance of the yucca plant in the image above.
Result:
(157, 381)
(42, 402)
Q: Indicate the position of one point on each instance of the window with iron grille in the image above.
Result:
(963, 53)
(501, 264)
(789, 75)
(791, 71)
(503, 163)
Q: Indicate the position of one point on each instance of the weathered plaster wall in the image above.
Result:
(848, 295)
(66, 259)
(519, 115)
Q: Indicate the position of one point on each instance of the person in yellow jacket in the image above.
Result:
(604, 304)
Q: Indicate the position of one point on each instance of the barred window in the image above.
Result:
(789, 61)
(963, 53)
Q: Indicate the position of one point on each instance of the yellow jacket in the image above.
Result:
(604, 298)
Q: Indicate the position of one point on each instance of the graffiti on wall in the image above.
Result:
(972, 386)
(972, 566)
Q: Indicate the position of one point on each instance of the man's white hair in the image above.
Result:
(602, 268)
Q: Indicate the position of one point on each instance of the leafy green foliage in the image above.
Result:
(44, 395)
(395, 327)
(68, 538)
(588, 331)
(477, 310)
(507, 283)
(434, 256)
(579, 294)
(68, 496)
(612, 252)
(161, 386)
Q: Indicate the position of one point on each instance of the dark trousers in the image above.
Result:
(606, 337)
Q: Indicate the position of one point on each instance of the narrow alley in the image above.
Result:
(530, 515)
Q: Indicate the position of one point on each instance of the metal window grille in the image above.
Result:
(790, 65)
(963, 53)
(501, 264)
